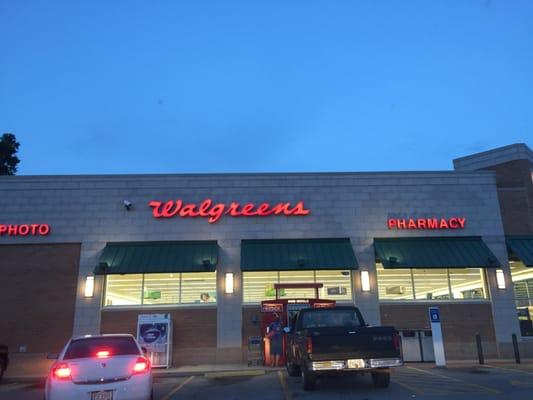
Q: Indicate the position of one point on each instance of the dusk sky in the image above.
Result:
(258, 86)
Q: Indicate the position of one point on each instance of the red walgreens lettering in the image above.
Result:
(24, 229)
(213, 212)
(426, 223)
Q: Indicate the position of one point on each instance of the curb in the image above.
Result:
(215, 374)
(159, 374)
(232, 374)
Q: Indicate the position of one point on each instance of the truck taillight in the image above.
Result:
(396, 341)
(309, 345)
(141, 365)
(61, 371)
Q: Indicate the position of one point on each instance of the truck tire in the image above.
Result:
(292, 369)
(308, 378)
(381, 378)
(2, 368)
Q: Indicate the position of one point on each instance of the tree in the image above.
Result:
(8, 150)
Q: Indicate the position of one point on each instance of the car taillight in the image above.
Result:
(61, 371)
(141, 365)
(309, 345)
(396, 341)
(102, 354)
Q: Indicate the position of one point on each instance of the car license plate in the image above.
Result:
(104, 395)
(356, 363)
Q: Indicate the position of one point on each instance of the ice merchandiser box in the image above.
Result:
(154, 333)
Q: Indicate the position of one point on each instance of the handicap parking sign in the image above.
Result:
(434, 315)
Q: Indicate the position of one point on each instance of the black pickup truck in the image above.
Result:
(333, 340)
(4, 360)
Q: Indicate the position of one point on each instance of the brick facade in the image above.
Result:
(461, 322)
(251, 323)
(194, 333)
(37, 295)
(513, 168)
(515, 192)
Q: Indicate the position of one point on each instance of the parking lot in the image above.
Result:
(412, 381)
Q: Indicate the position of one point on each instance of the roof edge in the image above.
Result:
(499, 155)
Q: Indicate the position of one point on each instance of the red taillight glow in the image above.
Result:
(309, 345)
(102, 354)
(61, 371)
(141, 365)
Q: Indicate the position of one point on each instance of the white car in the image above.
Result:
(100, 367)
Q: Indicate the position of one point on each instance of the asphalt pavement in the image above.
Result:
(409, 382)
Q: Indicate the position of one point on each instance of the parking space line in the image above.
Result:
(520, 383)
(175, 390)
(408, 387)
(466, 383)
(510, 369)
(286, 392)
(421, 384)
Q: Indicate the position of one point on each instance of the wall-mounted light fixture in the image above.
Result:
(89, 286)
(365, 281)
(500, 279)
(229, 283)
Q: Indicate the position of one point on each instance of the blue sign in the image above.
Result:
(434, 315)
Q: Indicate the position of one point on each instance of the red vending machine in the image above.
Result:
(285, 309)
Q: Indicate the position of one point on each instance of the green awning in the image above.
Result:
(158, 257)
(297, 254)
(434, 252)
(521, 247)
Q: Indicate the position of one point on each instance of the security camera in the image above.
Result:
(127, 205)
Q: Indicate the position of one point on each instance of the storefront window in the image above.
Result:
(123, 290)
(337, 285)
(467, 283)
(430, 283)
(258, 286)
(394, 284)
(198, 287)
(156, 289)
(298, 277)
(161, 288)
(522, 278)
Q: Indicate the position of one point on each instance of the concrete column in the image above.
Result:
(87, 313)
(502, 300)
(229, 306)
(368, 302)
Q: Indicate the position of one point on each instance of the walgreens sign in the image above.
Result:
(215, 211)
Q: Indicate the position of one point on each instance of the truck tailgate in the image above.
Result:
(343, 343)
